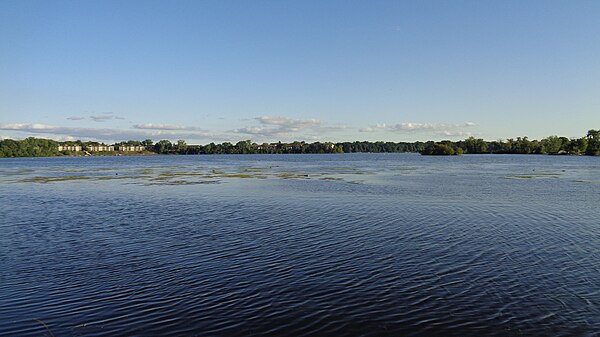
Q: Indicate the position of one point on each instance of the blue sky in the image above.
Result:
(218, 71)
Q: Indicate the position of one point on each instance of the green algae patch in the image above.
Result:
(181, 182)
(44, 180)
(251, 169)
(146, 172)
(343, 169)
(292, 176)
(238, 175)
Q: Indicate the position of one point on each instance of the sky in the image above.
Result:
(214, 71)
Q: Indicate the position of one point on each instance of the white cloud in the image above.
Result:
(287, 122)
(415, 126)
(333, 128)
(76, 118)
(150, 126)
(106, 134)
(449, 133)
(105, 116)
(276, 126)
(101, 118)
(255, 131)
(373, 128)
(437, 128)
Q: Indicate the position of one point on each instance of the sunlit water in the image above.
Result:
(299, 245)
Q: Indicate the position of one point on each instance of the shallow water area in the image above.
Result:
(352, 244)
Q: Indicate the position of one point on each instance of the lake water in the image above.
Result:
(300, 245)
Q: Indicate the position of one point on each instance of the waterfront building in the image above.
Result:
(75, 148)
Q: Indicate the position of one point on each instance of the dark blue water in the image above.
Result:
(294, 245)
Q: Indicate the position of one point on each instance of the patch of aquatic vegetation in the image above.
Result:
(18, 171)
(251, 169)
(145, 172)
(533, 176)
(80, 170)
(67, 178)
(586, 181)
(182, 174)
(194, 175)
(292, 176)
(178, 182)
(238, 175)
(166, 167)
(53, 179)
(542, 174)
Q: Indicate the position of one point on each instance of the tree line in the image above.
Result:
(554, 145)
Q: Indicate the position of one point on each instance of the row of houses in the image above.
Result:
(101, 148)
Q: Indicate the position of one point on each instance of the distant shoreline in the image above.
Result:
(553, 145)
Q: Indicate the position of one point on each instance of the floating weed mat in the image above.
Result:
(252, 169)
(180, 182)
(194, 175)
(17, 171)
(586, 181)
(292, 176)
(533, 176)
(44, 180)
(54, 179)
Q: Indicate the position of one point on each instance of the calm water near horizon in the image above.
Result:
(300, 245)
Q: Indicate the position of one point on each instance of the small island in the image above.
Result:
(553, 145)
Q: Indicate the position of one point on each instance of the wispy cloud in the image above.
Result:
(441, 129)
(278, 126)
(333, 128)
(76, 118)
(105, 116)
(107, 134)
(374, 128)
(448, 133)
(428, 126)
(150, 126)
(287, 122)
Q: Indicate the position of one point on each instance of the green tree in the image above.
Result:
(551, 145)
(163, 146)
(473, 145)
(593, 140)
(181, 146)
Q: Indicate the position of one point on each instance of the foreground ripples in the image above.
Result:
(409, 254)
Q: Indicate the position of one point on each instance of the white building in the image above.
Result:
(127, 148)
(75, 148)
(100, 148)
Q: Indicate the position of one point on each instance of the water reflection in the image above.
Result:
(300, 245)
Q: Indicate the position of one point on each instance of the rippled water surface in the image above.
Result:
(294, 245)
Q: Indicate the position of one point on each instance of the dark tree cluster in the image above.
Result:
(245, 147)
(554, 145)
(29, 147)
(382, 147)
